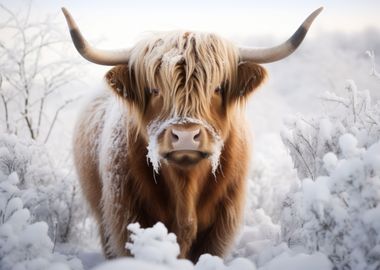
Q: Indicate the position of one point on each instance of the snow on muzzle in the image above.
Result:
(184, 140)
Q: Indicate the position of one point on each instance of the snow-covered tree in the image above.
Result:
(33, 70)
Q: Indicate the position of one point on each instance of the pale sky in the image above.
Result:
(123, 22)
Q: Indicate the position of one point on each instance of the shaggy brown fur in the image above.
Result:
(111, 138)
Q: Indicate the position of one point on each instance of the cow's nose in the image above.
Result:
(185, 139)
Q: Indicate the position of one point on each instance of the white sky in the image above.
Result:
(121, 23)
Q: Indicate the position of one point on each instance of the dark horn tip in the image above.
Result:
(65, 12)
(313, 15)
(317, 12)
(70, 21)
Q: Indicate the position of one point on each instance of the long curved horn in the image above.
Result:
(101, 57)
(267, 55)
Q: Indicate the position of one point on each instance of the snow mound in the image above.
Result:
(316, 261)
(155, 248)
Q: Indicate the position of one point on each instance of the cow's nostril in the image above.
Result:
(175, 137)
(197, 136)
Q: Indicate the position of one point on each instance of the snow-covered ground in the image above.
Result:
(314, 186)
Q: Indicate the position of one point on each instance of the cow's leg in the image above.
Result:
(186, 222)
(105, 241)
(218, 238)
(186, 233)
(117, 208)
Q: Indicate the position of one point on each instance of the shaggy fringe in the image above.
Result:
(185, 67)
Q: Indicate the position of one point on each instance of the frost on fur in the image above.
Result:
(157, 127)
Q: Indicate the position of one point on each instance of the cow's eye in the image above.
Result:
(153, 91)
(219, 90)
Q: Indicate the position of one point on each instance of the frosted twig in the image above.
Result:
(351, 87)
(332, 97)
(302, 158)
(308, 144)
(373, 72)
(67, 102)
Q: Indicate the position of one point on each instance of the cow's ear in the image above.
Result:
(250, 77)
(119, 79)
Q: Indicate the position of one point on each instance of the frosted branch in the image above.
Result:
(373, 72)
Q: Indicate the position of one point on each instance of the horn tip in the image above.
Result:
(319, 10)
(64, 10)
(70, 21)
(309, 20)
(316, 12)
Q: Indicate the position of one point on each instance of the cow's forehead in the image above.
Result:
(184, 53)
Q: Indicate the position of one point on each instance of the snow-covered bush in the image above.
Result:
(49, 193)
(273, 178)
(310, 139)
(25, 244)
(335, 208)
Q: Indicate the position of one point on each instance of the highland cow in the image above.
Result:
(167, 140)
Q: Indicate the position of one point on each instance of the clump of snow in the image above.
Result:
(329, 161)
(157, 127)
(348, 145)
(155, 245)
(372, 158)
